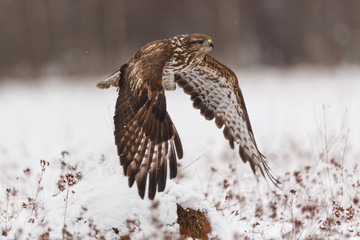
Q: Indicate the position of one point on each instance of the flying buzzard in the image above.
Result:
(145, 136)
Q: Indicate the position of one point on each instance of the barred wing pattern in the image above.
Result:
(146, 138)
(215, 91)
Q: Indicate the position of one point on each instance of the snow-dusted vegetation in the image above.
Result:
(60, 175)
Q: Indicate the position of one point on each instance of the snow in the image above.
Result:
(287, 108)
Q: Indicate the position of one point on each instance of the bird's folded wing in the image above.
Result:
(215, 91)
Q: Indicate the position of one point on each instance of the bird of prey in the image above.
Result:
(145, 136)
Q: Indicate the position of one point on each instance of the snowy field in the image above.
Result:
(306, 122)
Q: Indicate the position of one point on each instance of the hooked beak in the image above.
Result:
(210, 43)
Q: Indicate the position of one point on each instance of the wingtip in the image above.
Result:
(270, 175)
(265, 170)
(103, 84)
(141, 194)
(112, 80)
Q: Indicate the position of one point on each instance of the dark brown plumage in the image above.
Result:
(145, 136)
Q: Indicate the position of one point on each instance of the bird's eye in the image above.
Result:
(200, 41)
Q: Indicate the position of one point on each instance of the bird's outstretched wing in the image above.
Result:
(145, 136)
(215, 91)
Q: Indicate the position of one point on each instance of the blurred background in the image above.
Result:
(297, 62)
(87, 37)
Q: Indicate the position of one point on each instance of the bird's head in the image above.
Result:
(197, 43)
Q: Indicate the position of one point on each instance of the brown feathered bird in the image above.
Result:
(145, 136)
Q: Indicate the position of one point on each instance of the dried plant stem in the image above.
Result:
(7, 208)
(326, 151)
(238, 187)
(66, 205)
(37, 193)
(342, 163)
(197, 159)
(292, 220)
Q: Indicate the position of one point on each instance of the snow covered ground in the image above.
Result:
(305, 122)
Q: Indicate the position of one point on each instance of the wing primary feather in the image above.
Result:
(178, 145)
(152, 185)
(194, 95)
(188, 89)
(180, 80)
(197, 102)
(131, 180)
(153, 174)
(274, 180)
(157, 132)
(166, 131)
(226, 132)
(209, 114)
(141, 177)
(162, 169)
(219, 121)
(172, 161)
(176, 138)
(162, 177)
(169, 129)
(246, 158)
(231, 142)
(151, 155)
